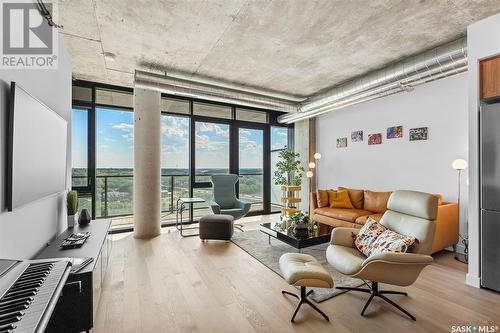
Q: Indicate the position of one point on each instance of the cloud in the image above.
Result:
(124, 126)
(211, 127)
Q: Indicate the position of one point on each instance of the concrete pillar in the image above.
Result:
(303, 130)
(147, 153)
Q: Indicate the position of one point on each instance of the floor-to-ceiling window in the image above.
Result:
(279, 141)
(199, 139)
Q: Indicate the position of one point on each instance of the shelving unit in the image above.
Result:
(290, 200)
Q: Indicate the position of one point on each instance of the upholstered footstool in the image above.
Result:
(303, 270)
(217, 226)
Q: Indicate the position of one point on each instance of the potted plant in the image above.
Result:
(300, 220)
(288, 169)
(289, 174)
(72, 205)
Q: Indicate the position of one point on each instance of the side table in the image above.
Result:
(181, 205)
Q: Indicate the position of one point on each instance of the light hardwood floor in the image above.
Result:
(174, 284)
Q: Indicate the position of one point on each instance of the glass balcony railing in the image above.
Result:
(114, 196)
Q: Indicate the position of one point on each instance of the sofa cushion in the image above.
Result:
(391, 241)
(339, 199)
(348, 260)
(356, 196)
(376, 201)
(322, 198)
(367, 236)
(362, 219)
(349, 215)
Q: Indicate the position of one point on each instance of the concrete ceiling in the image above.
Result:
(295, 46)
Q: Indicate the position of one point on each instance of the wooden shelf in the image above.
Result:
(291, 199)
(289, 211)
(291, 188)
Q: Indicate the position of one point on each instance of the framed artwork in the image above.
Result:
(357, 136)
(375, 139)
(341, 142)
(395, 132)
(417, 134)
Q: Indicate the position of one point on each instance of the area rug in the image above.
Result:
(255, 243)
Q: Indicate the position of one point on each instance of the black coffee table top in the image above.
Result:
(296, 238)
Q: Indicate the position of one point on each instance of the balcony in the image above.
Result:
(114, 197)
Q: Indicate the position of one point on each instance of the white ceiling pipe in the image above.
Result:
(442, 61)
(210, 96)
(371, 94)
(184, 87)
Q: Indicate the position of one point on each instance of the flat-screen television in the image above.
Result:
(36, 149)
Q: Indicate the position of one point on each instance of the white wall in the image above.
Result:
(25, 231)
(483, 41)
(398, 163)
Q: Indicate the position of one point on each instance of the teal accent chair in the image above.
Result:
(224, 200)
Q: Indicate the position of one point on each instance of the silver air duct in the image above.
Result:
(443, 61)
(180, 84)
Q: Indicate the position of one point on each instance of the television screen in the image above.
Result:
(36, 162)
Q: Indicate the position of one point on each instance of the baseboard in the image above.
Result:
(474, 281)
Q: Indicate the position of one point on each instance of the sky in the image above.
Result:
(115, 142)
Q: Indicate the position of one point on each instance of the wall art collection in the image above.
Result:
(394, 132)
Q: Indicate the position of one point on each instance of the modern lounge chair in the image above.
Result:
(224, 200)
(409, 213)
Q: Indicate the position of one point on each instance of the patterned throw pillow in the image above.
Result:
(367, 235)
(390, 241)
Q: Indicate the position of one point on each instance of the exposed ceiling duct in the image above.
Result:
(440, 62)
(176, 83)
(443, 61)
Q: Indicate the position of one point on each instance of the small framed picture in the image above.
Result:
(395, 132)
(357, 136)
(341, 142)
(417, 134)
(375, 139)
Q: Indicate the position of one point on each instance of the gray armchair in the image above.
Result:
(409, 213)
(224, 200)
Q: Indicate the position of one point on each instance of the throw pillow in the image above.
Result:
(390, 241)
(376, 201)
(367, 235)
(322, 198)
(356, 196)
(339, 199)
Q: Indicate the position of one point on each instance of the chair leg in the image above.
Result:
(375, 292)
(284, 292)
(367, 303)
(388, 300)
(303, 299)
(355, 289)
(392, 292)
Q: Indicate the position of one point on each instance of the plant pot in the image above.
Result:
(71, 220)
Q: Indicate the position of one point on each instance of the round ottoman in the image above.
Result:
(303, 270)
(219, 226)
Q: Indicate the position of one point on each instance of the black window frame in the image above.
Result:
(234, 126)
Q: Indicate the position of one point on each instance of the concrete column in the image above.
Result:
(147, 152)
(302, 141)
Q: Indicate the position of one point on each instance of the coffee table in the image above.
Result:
(299, 239)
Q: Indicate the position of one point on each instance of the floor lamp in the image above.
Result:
(309, 175)
(317, 157)
(459, 165)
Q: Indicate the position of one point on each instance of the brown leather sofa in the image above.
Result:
(374, 204)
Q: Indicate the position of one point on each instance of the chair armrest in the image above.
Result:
(343, 236)
(399, 258)
(244, 205)
(215, 207)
